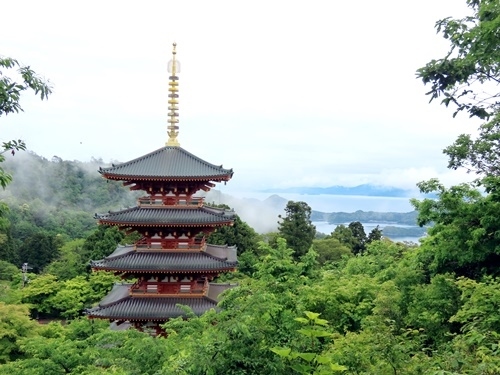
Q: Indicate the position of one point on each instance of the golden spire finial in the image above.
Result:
(173, 127)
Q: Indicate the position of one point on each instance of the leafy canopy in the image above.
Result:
(470, 69)
(10, 95)
(10, 90)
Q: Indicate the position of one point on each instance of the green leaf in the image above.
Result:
(282, 352)
(337, 367)
(312, 315)
(307, 356)
(302, 320)
(321, 322)
(323, 360)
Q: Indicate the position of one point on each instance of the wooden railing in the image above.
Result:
(170, 201)
(164, 289)
(170, 244)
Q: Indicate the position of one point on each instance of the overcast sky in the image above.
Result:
(287, 93)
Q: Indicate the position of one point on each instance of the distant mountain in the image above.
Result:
(276, 202)
(364, 190)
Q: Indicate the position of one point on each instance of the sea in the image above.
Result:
(346, 203)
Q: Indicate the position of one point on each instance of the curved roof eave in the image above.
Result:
(169, 163)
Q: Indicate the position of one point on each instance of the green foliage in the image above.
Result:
(55, 198)
(240, 234)
(381, 348)
(359, 237)
(102, 242)
(85, 347)
(343, 300)
(39, 249)
(15, 325)
(67, 299)
(478, 155)
(72, 297)
(8, 271)
(471, 61)
(465, 238)
(296, 227)
(312, 362)
(10, 95)
(354, 237)
(10, 91)
(432, 307)
(475, 350)
(71, 261)
(480, 305)
(330, 250)
(374, 235)
(12, 146)
(38, 291)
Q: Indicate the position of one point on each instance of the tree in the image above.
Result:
(101, 243)
(471, 62)
(12, 146)
(467, 77)
(465, 237)
(296, 227)
(374, 235)
(10, 91)
(240, 234)
(359, 235)
(15, 324)
(40, 249)
(313, 362)
(352, 236)
(10, 94)
(478, 155)
(330, 250)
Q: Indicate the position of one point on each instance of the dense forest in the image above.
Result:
(346, 303)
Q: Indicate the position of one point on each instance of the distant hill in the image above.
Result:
(402, 218)
(364, 190)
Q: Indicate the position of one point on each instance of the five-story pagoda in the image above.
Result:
(172, 262)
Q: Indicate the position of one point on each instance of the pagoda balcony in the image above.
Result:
(168, 244)
(168, 289)
(158, 201)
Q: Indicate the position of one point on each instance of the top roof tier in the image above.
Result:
(169, 163)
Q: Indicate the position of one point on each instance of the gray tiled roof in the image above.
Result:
(168, 262)
(119, 305)
(167, 164)
(151, 309)
(146, 216)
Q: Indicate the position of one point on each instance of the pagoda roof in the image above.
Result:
(169, 163)
(127, 258)
(166, 216)
(120, 305)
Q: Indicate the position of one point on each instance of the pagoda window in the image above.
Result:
(185, 288)
(152, 288)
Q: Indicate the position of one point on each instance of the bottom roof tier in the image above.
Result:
(120, 305)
